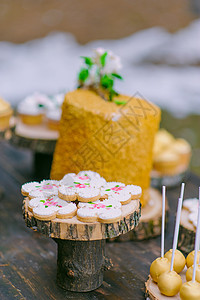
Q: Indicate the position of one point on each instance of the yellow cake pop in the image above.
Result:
(190, 291)
(179, 260)
(190, 272)
(159, 266)
(190, 258)
(169, 283)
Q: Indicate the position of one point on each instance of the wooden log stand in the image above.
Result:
(186, 233)
(153, 293)
(38, 139)
(150, 221)
(158, 179)
(81, 257)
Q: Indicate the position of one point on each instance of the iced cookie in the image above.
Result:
(45, 189)
(29, 186)
(110, 216)
(111, 188)
(123, 197)
(85, 214)
(67, 212)
(67, 193)
(134, 190)
(50, 201)
(44, 212)
(88, 194)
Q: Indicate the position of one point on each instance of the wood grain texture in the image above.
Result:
(28, 259)
(73, 229)
(187, 232)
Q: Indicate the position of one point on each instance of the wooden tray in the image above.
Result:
(152, 290)
(37, 138)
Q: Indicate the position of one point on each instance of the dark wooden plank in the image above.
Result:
(28, 260)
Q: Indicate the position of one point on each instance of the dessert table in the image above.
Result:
(28, 259)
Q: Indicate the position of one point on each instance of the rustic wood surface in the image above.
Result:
(28, 259)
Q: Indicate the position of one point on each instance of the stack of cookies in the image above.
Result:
(86, 196)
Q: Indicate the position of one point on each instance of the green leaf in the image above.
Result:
(91, 202)
(112, 94)
(40, 105)
(46, 206)
(119, 102)
(107, 190)
(88, 60)
(107, 82)
(117, 76)
(103, 58)
(76, 182)
(108, 205)
(43, 201)
(83, 75)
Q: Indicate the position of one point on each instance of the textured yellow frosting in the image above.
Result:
(114, 140)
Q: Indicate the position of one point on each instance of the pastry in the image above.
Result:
(190, 258)
(190, 291)
(5, 114)
(159, 266)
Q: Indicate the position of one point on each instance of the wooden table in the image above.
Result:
(28, 260)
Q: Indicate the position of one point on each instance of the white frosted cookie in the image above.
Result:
(134, 190)
(87, 215)
(44, 189)
(110, 216)
(88, 194)
(123, 197)
(110, 188)
(89, 174)
(35, 202)
(44, 212)
(68, 179)
(191, 204)
(67, 212)
(67, 193)
(29, 186)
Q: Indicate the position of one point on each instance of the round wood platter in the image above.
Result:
(37, 138)
(152, 290)
(187, 232)
(158, 179)
(150, 221)
(73, 229)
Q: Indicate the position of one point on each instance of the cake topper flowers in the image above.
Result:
(100, 72)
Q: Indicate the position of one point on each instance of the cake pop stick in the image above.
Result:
(163, 220)
(196, 242)
(176, 232)
(182, 190)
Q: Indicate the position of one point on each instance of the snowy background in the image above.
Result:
(162, 67)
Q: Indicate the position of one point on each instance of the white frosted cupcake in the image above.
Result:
(32, 109)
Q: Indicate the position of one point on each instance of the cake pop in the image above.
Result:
(160, 264)
(179, 260)
(191, 290)
(190, 272)
(169, 283)
(190, 258)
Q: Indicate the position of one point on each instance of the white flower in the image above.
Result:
(113, 63)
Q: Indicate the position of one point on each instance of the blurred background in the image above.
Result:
(41, 42)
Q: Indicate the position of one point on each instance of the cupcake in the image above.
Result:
(32, 109)
(53, 115)
(5, 114)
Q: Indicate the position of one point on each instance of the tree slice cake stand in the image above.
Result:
(186, 233)
(150, 221)
(37, 137)
(81, 246)
(152, 290)
(158, 179)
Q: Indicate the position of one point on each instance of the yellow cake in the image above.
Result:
(5, 114)
(114, 140)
